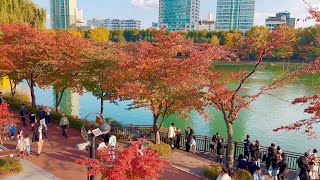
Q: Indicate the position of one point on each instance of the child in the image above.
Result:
(20, 144)
(12, 129)
(27, 143)
(193, 145)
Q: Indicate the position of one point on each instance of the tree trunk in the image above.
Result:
(57, 104)
(101, 103)
(59, 99)
(13, 87)
(33, 97)
(155, 128)
(230, 152)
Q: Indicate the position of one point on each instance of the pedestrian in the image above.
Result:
(12, 130)
(302, 167)
(246, 144)
(178, 138)
(271, 152)
(314, 169)
(27, 143)
(213, 146)
(273, 170)
(253, 165)
(224, 174)
(283, 168)
(220, 150)
(188, 140)
(171, 135)
(64, 123)
(193, 144)
(251, 150)
(242, 162)
(20, 144)
(42, 116)
(257, 175)
(48, 114)
(278, 155)
(38, 136)
(33, 120)
(257, 152)
(23, 114)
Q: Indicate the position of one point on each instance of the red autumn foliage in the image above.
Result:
(313, 102)
(129, 163)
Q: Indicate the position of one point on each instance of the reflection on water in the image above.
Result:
(265, 114)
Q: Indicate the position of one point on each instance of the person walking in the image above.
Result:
(271, 152)
(283, 168)
(33, 120)
(220, 150)
(23, 113)
(187, 143)
(20, 144)
(38, 136)
(178, 138)
(12, 130)
(171, 135)
(213, 146)
(257, 152)
(27, 143)
(189, 139)
(314, 165)
(64, 123)
(43, 116)
(193, 144)
(48, 114)
(302, 167)
(246, 144)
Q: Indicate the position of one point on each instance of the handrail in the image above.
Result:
(203, 142)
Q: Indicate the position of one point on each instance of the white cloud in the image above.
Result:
(145, 4)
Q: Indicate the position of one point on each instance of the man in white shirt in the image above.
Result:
(172, 134)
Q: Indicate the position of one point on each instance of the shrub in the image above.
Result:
(212, 171)
(162, 149)
(243, 175)
(9, 166)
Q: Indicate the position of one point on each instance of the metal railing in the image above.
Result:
(203, 142)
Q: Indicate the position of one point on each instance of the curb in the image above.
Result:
(193, 174)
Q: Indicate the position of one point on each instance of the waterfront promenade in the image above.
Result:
(59, 154)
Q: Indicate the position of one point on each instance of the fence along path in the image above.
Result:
(203, 142)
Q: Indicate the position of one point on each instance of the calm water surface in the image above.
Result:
(265, 114)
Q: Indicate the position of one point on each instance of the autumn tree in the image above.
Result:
(101, 61)
(259, 36)
(230, 101)
(135, 162)
(27, 52)
(312, 102)
(99, 34)
(165, 76)
(214, 40)
(6, 118)
(67, 73)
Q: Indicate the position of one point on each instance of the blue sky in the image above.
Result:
(147, 10)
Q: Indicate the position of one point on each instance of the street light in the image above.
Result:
(90, 136)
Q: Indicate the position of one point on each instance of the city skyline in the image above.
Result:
(147, 10)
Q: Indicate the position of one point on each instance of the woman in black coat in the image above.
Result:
(220, 150)
(39, 135)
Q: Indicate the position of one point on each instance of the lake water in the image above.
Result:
(265, 114)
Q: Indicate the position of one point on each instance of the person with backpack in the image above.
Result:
(246, 144)
(23, 114)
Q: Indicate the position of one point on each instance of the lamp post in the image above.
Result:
(91, 135)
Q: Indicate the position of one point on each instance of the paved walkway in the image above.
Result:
(59, 155)
(31, 172)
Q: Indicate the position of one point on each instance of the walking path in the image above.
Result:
(59, 155)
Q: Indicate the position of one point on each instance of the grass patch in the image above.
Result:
(9, 166)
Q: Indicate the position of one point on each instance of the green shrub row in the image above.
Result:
(213, 171)
(9, 166)
(162, 149)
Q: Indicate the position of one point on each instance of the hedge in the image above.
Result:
(162, 149)
(9, 166)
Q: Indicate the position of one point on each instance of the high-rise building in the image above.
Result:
(63, 13)
(176, 15)
(208, 24)
(235, 14)
(279, 19)
(115, 23)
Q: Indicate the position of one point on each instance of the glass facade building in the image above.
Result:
(175, 15)
(62, 13)
(235, 14)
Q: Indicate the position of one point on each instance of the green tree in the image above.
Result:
(99, 34)
(22, 11)
(117, 35)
